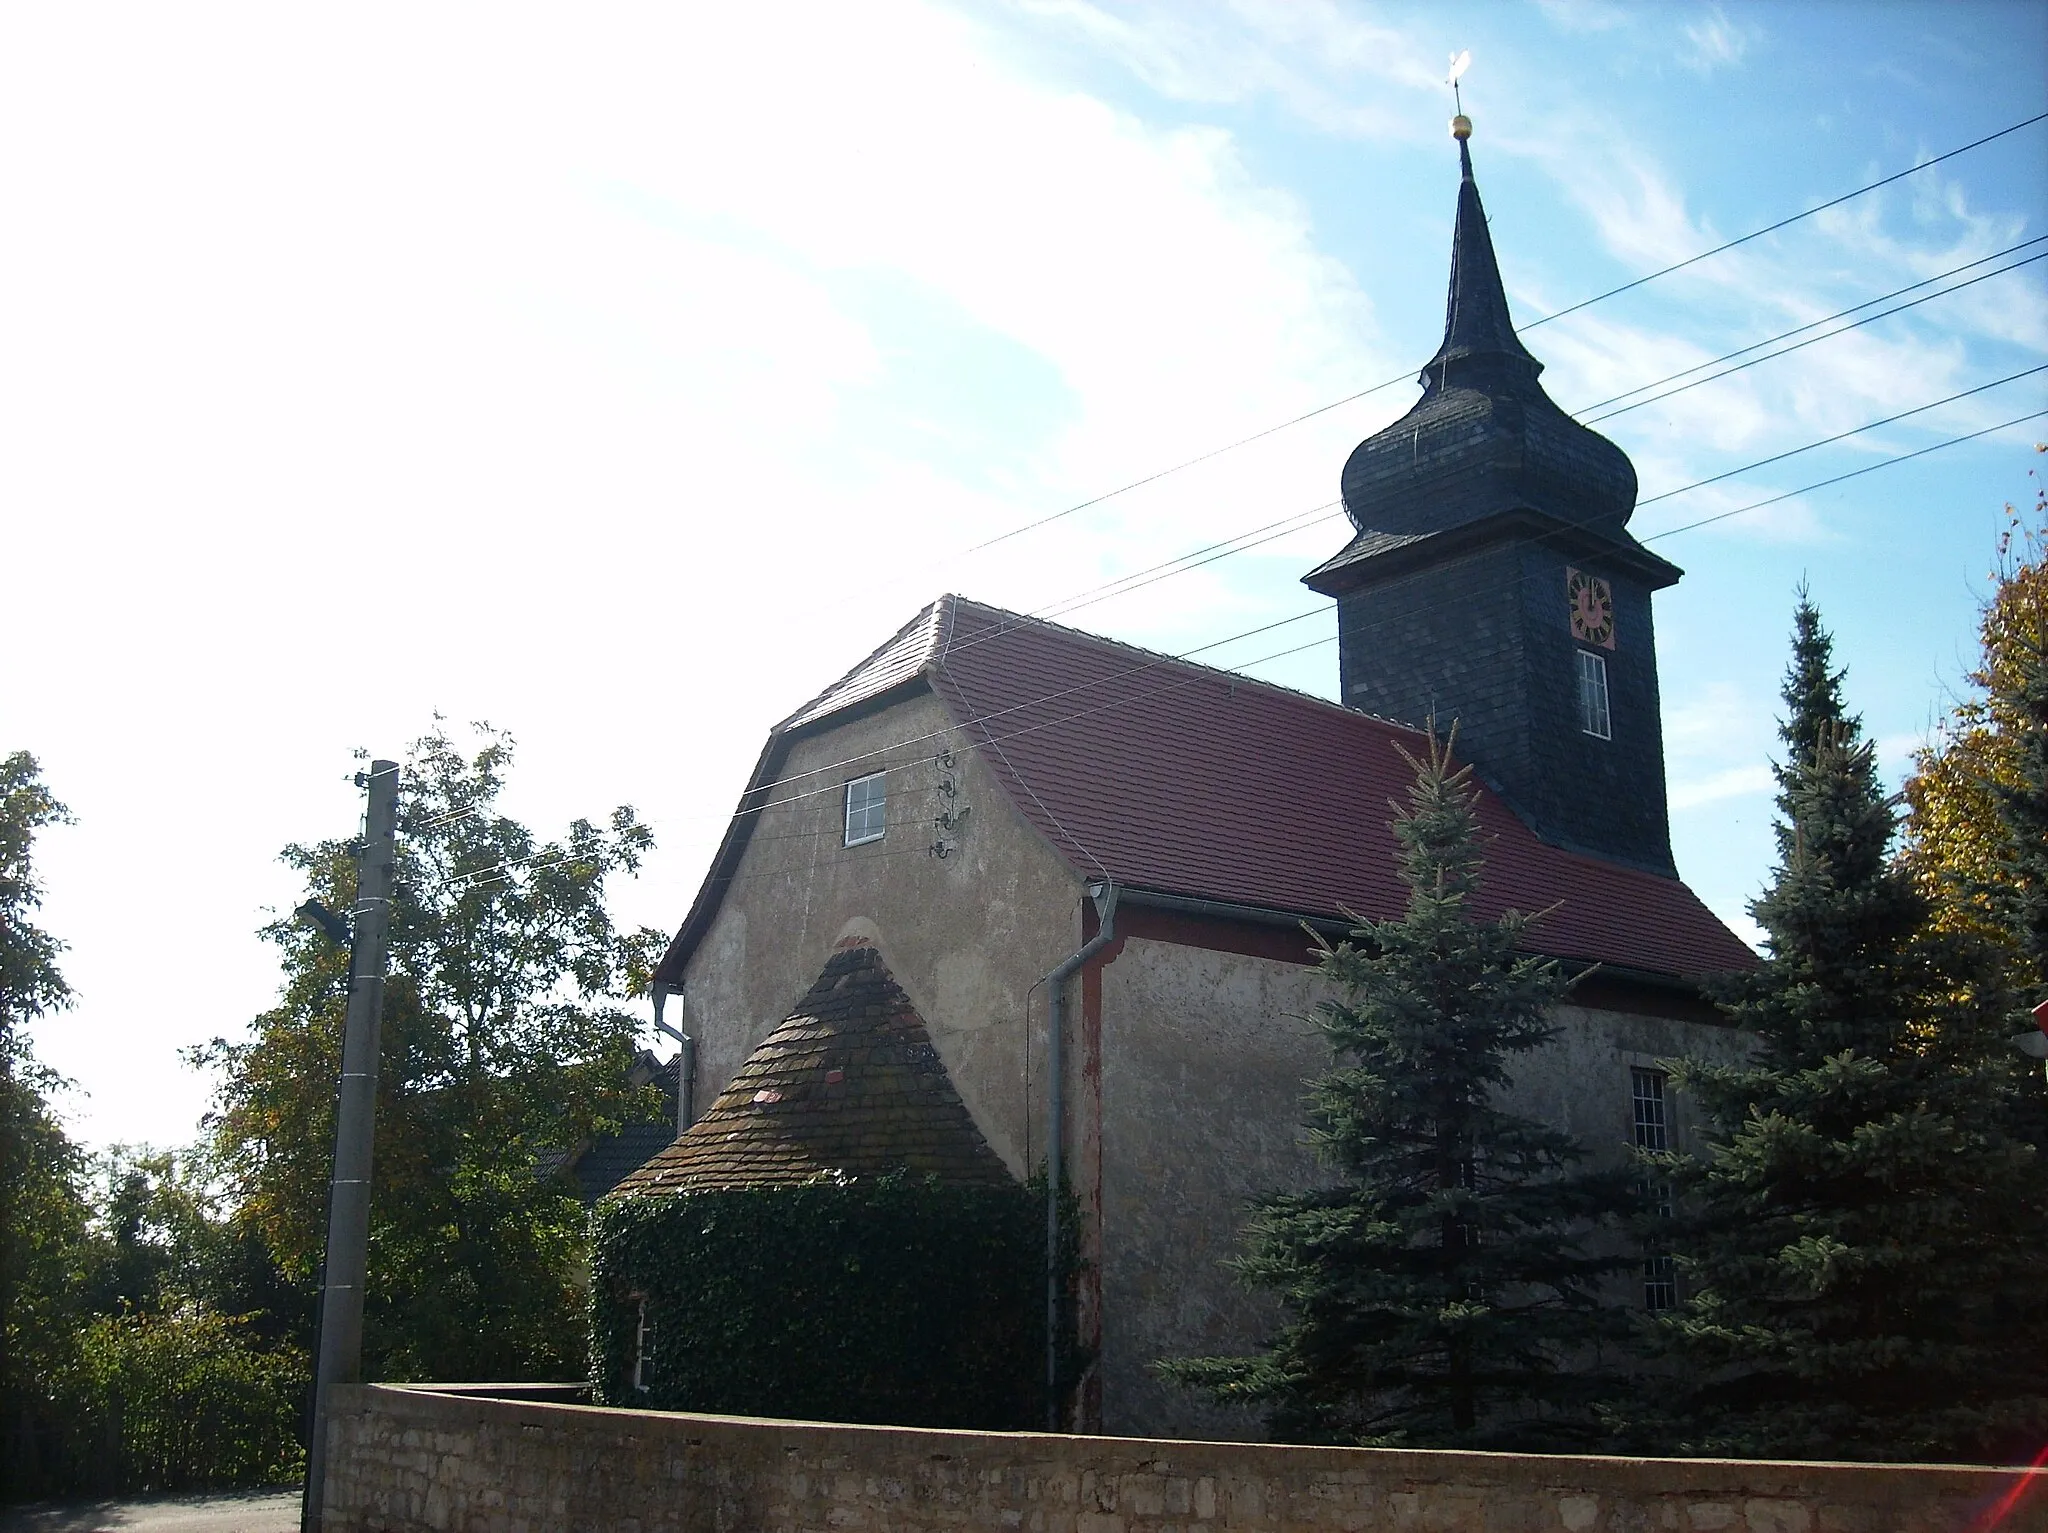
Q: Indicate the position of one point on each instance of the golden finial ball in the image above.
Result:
(1461, 126)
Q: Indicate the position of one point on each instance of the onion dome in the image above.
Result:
(849, 1084)
(1484, 439)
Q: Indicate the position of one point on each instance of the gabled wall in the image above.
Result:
(967, 936)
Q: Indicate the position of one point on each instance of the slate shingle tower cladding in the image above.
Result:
(1472, 511)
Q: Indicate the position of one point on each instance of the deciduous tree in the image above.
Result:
(502, 1052)
(43, 1213)
(1978, 823)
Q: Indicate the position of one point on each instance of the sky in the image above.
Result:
(621, 375)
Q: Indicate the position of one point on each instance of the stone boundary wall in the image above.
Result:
(406, 1459)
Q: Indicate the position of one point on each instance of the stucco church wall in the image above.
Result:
(967, 936)
(1205, 1058)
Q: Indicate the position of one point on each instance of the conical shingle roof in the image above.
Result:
(848, 1084)
(1477, 330)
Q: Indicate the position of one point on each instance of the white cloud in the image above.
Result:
(593, 374)
(1586, 15)
(1732, 782)
(1715, 41)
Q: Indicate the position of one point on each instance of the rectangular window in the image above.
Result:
(1653, 1132)
(866, 809)
(1593, 694)
(1646, 1096)
(1660, 1284)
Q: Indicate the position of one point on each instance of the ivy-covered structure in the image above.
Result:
(833, 1239)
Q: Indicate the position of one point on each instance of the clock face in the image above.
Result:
(1592, 608)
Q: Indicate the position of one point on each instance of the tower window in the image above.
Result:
(867, 806)
(1593, 695)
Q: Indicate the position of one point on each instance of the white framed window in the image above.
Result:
(643, 1348)
(867, 809)
(1653, 1132)
(1593, 718)
(1646, 1100)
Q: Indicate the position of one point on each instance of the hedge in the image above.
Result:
(890, 1300)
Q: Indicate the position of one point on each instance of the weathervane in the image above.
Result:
(1461, 125)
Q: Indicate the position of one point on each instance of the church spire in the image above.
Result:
(1479, 338)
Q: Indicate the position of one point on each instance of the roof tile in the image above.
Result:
(1188, 780)
(783, 1120)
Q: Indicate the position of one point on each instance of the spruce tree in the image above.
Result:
(1440, 1292)
(1861, 1241)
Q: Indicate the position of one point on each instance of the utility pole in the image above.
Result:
(355, 1126)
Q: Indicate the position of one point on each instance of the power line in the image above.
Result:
(996, 740)
(1844, 436)
(1871, 468)
(1786, 335)
(1315, 612)
(1868, 319)
(1583, 303)
(1300, 521)
(1835, 202)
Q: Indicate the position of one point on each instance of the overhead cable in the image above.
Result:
(983, 721)
(1584, 303)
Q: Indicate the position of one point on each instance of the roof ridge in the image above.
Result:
(1222, 673)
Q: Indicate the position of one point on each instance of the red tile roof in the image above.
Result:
(1193, 781)
(1190, 781)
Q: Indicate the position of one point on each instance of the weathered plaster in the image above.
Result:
(1204, 1061)
(1205, 1057)
(967, 936)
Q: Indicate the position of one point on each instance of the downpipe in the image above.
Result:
(686, 1066)
(1104, 895)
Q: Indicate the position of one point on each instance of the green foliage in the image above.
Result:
(178, 1399)
(31, 984)
(43, 1211)
(1978, 829)
(47, 1256)
(1864, 1241)
(163, 1238)
(890, 1299)
(500, 1055)
(1436, 1291)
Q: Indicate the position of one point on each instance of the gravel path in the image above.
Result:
(238, 1512)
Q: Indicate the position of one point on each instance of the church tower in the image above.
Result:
(1493, 580)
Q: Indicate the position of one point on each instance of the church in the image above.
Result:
(1084, 874)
